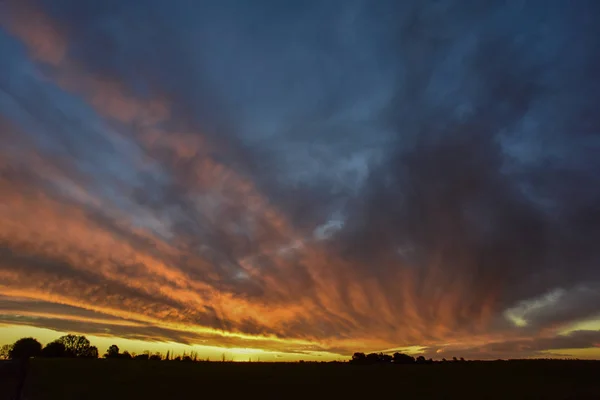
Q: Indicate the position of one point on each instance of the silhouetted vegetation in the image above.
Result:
(78, 346)
(25, 348)
(381, 358)
(129, 379)
(112, 352)
(385, 359)
(422, 360)
(70, 346)
(74, 346)
(400, 358)
(54, 350)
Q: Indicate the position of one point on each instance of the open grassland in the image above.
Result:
(121, 379)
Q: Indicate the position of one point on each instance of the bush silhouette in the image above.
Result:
(400, 358)
(372, 358)
(25, 348)
(91, 352)
(359, 358)
(381, 358)
(54, 350)
(112, 352)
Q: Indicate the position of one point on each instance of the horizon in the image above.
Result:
(302, 180)
(219, 354)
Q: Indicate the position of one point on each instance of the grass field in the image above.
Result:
(119, 379)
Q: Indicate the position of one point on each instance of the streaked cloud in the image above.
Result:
(302, 178)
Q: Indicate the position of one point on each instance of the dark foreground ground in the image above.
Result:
(119, 379)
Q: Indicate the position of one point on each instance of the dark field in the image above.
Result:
(119, 379)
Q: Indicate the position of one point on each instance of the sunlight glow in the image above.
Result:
(11, 333)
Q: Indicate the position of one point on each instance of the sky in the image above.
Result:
(302, 179)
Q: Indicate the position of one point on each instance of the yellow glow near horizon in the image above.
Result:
(590, 353)
(11, 333)
(586, 325)
(412, 350)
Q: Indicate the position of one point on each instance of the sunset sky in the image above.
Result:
(285, 180)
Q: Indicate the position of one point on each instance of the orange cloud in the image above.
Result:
(104, 273)
(276, 287)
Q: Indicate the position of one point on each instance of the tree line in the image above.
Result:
(75, 346)
(396, 358)
(66, 346)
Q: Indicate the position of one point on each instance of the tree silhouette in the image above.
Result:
(54, 350)
(77, 346)
(112, 352)
(359, 358)
(372, 358)
(25, 348)
(90, 352)
(126, 355)
(400, 358)
(420, 360)
(381, 358)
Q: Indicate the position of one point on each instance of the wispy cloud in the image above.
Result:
(325, 177)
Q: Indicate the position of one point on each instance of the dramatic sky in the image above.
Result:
(302, 179)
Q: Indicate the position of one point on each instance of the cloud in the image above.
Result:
(340, 178)
(543, 347)
(44, 39)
